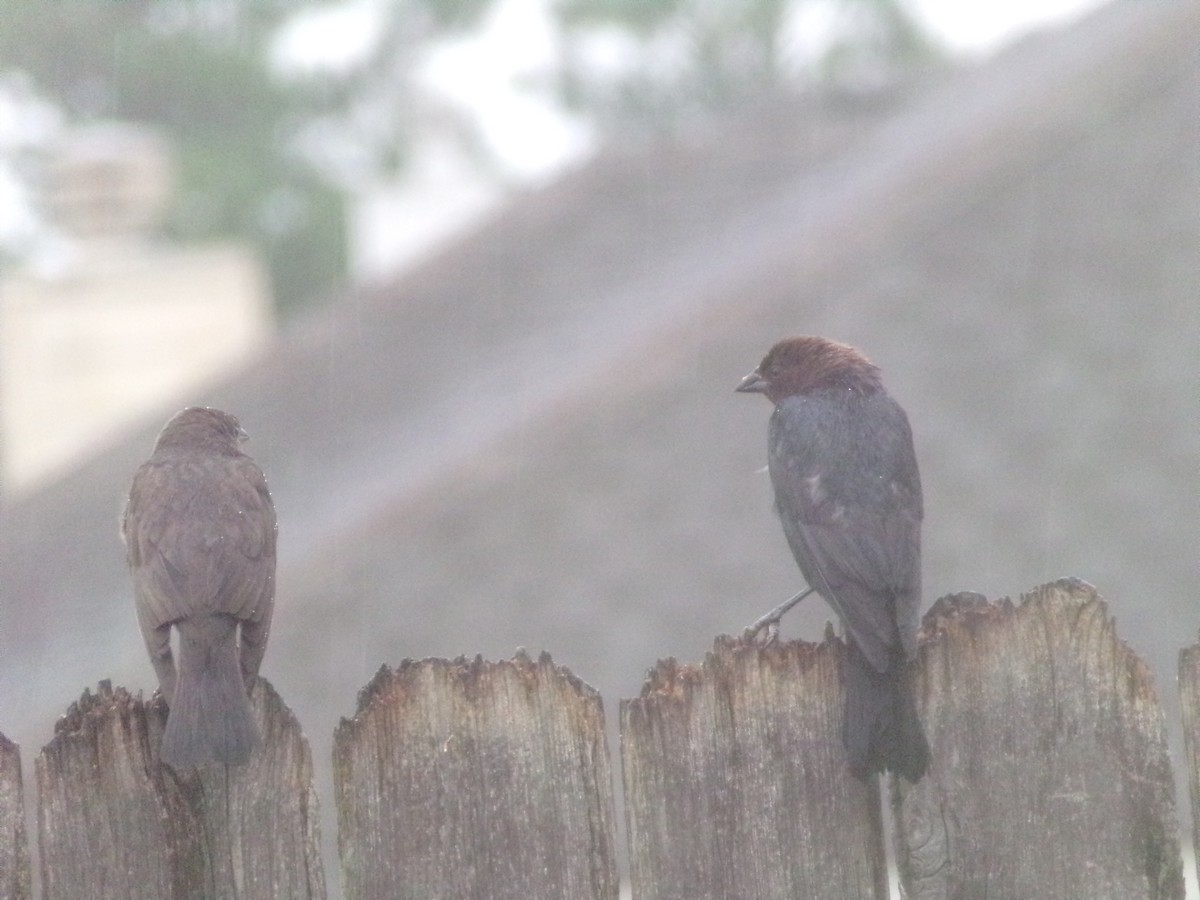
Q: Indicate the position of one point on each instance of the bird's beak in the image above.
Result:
(752, 384)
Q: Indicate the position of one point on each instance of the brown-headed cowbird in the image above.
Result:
(199, 532)
(848, 493)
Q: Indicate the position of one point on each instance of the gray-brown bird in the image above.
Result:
(848, 493)
(199, 532)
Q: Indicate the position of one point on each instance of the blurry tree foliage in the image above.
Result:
(198, 72)
(272, 159)
(656, 63)
(201, 71)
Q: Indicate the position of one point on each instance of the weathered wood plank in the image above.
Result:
(113, 822)
(1189, 700)
(475, 779)
(736, 783)
(14, 851)
(1050, 774)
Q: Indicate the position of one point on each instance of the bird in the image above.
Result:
(200, 532)
(848, 494)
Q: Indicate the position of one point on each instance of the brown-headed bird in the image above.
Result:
(847, 490)
(199, 532)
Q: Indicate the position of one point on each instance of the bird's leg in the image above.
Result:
(158, 642)
(252, 646)
(771, 620)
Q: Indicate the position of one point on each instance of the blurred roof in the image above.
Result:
(533, 439)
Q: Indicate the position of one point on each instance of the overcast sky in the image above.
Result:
(526, 135)
(529, 137)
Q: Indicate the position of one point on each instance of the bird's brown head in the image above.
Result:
(202, 426)
(798, 365)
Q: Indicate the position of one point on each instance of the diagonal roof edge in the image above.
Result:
(1045, 91)
(1039, 96)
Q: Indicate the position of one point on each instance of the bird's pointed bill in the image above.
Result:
(752, 384)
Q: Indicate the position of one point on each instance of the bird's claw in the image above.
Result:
(768, 628)
(770, 621)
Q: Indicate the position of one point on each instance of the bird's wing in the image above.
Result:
(160, 585)
(255, 543)
(857, 544)
(200, 537)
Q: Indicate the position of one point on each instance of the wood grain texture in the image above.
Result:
(736, 782)
(1050, 774)
(14, 850)
(113, 822)
(475, 779)
(1189, 701)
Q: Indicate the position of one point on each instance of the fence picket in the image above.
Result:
(1050, 774)
(14, 852)
(474, 779)
(736, 783)
(115, 824)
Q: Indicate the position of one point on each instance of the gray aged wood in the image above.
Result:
(14, 851)
(1050, 774)
(115, 823)
(1189, 700)
(473, 779)
(736, 783)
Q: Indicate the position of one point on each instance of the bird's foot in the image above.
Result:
(765, 627)
(769, 623)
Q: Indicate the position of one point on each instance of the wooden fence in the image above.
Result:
(473, 779)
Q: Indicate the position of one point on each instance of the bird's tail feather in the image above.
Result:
(880, 728)
(210, 717)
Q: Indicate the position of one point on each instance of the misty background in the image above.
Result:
(479, 279)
